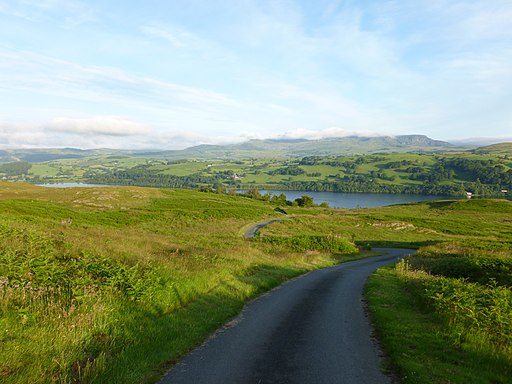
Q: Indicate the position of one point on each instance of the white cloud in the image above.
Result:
(259, 68)
(101, 132)
(102, 125)
(327, 133)
(67, 13)
(178, 37)
(184, 139)
(33, 73)
(20, 135)
(113, 132)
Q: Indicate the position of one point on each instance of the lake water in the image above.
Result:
(357, 200)
(334, 199)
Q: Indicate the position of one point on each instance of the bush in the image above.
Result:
(30, 260)
(476, 269)
(474, 310)
(302, 243)
(470, 292)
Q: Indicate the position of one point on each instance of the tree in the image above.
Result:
(304, 201)
(219, 188)
(254, 193)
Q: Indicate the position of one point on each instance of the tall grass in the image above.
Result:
(445, 314)
(302, 243)
(140, 276)
(421, 344)
(444, 317)
(133, 281)
(477, 314)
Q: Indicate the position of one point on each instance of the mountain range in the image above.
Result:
(269, 148)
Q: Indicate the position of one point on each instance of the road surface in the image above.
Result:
(312, 330)
(253, 230)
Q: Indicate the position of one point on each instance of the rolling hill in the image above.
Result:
(495, 149)
(276, 148)
(269, 148)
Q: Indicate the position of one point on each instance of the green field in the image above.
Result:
(483, 172)
(111, 284)
(114, 284)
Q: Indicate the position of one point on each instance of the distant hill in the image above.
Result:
(36, 155)
(476, 142)
(270, 148)
(301, 148)
(495, 149)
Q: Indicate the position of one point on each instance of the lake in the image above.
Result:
(357, 200)
(334, 199)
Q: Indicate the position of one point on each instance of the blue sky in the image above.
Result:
(175, 73)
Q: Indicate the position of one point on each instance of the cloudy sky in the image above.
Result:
(174, 73)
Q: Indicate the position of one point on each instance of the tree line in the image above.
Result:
(447, 176)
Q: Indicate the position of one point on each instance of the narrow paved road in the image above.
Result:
(312, 329)
(253, 230)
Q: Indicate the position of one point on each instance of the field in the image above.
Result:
(484, 172)
(113, 284)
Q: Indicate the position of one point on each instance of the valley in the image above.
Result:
(485, 171)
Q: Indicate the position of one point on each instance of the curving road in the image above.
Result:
(313, 329)
(253, 230)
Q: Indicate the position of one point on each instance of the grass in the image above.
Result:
(421, 346)
(385, 169)
(139, 276)
(132, 282)
(444, 315)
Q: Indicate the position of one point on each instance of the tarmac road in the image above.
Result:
(253, 230)
(312, 330)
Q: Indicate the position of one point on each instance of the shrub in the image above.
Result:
(478, 311)
(30, 260)
(302, 243)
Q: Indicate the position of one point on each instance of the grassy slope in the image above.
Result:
(138, 277)
(421, 346)
(255, 172)
(497, 149)
(141, 275)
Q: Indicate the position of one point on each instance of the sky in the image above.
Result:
(169, 74)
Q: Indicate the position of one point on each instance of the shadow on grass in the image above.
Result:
(395, 244)
(150, 339)
(440, 204)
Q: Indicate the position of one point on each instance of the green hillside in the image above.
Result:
(112, 284)
(258, 149)
(449, 173)
(109, 284)
(352, 145)
(504, 149)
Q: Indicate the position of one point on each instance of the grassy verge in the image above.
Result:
(438, 329)
(445, 316)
